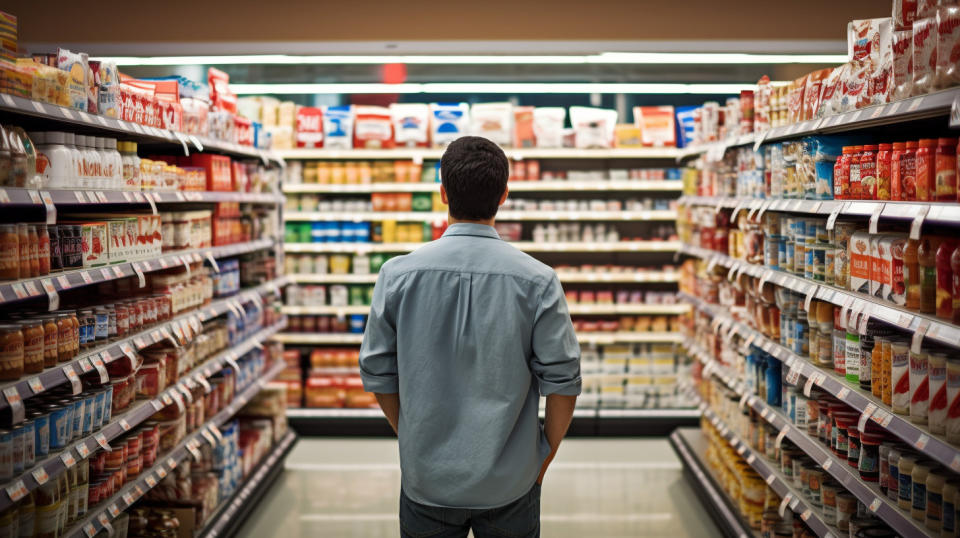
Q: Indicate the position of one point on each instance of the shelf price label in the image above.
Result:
(68, 460)
(781, 435)
(918, 334)
(101, 369)
(917, 224)
(865, 416)
(15, 402)
(783, 504)
(89, 530)
(151, 480)
(83, 449)
(875, 218)
(102, 441)
(40, 475)
(53, 297)
(75, 386)
(17, 490)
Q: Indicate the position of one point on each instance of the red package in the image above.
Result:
(812, 93)
(220, 92)
(926, 9)
(830, 91)
(904, 13)
(902, 64)
(924, 55)
(309, 127)
(948, 46)
(795, 100)
(373, 128)
(243, 130)
(856, 85)
(523, 136)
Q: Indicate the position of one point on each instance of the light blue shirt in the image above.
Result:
(470, 331)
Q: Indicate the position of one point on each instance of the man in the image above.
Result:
(464, 335)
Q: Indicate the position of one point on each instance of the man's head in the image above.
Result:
(474, 174)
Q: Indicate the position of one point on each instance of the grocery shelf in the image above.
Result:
(185, 323)
(429, 216)
(690, 446)
(11, 196)
(130, 131)
(565, 276)
(641, 185)
(235, 510)
(584, 338)
(628, 309)
(109, 509)
(325, 310)
(919, 437)
(914, 108)
(907, 320)
(421, 154)
(936, 212)
(526, 246)
(29, 288)
(579, 413)
(56, 463)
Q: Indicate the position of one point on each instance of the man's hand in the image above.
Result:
(390, 405)
(559, 413)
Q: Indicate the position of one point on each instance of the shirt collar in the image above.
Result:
(469, 228)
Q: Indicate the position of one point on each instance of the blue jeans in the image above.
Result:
(519, 519)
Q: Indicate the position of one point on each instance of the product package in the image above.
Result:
(492, 121)
(948, 46)
(627, 136)
(410, 124)
(830, 90)
(686, 125)
(309, 127)
(927, 8)
(109, 93)
(523, 135)
(856, 85)
(881, 80)
(338, 127)
(372, 128)
(795, 100)
(220, 93)
(902, 47)
(593, 127)
(75, 65)
(813, 92)
(656, 125)
(548, 126)
(925, 41)
(448, 122)
(904, 13)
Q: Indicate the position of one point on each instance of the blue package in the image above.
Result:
(338, 127)
(685, 125)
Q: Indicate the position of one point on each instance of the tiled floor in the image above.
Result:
(595, 487)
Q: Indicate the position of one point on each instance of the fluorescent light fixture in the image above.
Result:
(638, 58)
(500, 88)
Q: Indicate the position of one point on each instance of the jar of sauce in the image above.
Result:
(855, 192)
(841, 174)
(908, 171)
(896, 156)
(945, 279)
(884, 172)
(918, 505)
(927, 257)
(926, 169)
(33, 250)
(11, 352)
(23, 231)
(32, 345)
(905, 487)
(9, 252)
(868, 172)
(43, 249)
(51, 334)
(911, 274)
(946, 170)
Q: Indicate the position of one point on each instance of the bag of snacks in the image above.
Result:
(927, 9)
(448, 122)
(881, 80)
(795, 99)
(948, 46)
(829, 89)
(548, 126)
(338, 127)
(220, 93)
(904, 13)
(492, 121)
(855, 85)
(593, 127)
(902, 64)
(813, 92)
(410, 124)
(75, 65)
(924, 55)
(309, 127)
(523, 135)
(372, 128)
(657, 125)
(108, 97)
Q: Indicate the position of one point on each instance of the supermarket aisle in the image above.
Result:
(596, 487)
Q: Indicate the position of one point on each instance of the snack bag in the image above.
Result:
(93, 86)
(813, 92)
(927, 9)
(548, 126)
(372, 128)
(448, 122)
(795, 100)
(855, 85)
(523, 136)
(924, 55)
(902, 48)
(904, 13)
(338, 127)
(109, 94)
(410, 124)
(492, 121)
(628, 136)
(948, 46)
(829, 90)
(685, 124)
(75, 65)
(657, 125)
(881, 80)
(593, 127)
(309, 127)
(762, 105)
(220, 92)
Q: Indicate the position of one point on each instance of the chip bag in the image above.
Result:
(372, 128)
(493, 121)
(548, 126)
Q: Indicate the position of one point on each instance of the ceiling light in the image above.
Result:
(496, 88)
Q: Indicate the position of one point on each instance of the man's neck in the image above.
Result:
(451, 220)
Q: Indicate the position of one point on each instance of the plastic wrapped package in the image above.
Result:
(372, 128)
(548, 126)
(309, 127)
(410, 124)
(593, 127)
(657, 125)
(927, 8)
(813, 93)
(338, 127)
(881, 80)
(523, 135)
(448, 122)
(902, 47)
(948, 46)
(904, 13)
(828, 90)
(856, 83)
(924, 55)
(493, 121)
(109, 90)
(75, 65)
(795, 100)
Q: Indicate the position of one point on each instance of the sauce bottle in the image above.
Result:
(955, 290)
(868, 172)
(927, 256)
(855, 192)
(945, 279)
(908, 172)
(946, 170)
(911, 273)
(841, 174)
(884, 163)
(895, 157)
(926, 169)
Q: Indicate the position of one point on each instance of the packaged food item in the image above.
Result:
(492, 121)
(109, 94)
(812, 93)
(309, 127)
(927, 8)
(626, 135)
(855, 86)
(657, 125)
(830, 89)
(925, 40)
(372, 128)
(926, 170)
(548, 126)
(410, 124)
(448, 122)
(948, 46)
(338, 127)
(795, 100)
(904, 13)
(593, 127)
(859, 252)
(945, 163)
(881, 79)
(220, 93)
(884, 160)
(891, 268)
(523, 135)
(75, 65)
(902, 48)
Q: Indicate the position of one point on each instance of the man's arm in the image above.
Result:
(559, 413)
(390, 405)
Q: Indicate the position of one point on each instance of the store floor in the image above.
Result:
(595, 487)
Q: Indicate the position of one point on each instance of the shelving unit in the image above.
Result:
(420, 154)
(314, 216)
(591, 338)
(526, 246)
(514, 186)
(10, 197)
(568, 277)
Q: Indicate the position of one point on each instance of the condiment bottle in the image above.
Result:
(115, 179)
(908, 172)
(884, 175)
(944, 301)
(955, 286)
(919, 386)
(946, 170)
(911, 274)
(927, 256)
(9, 252)
(926, 169)
(855, 187)
(33, 250)
(43, 250)
(948, 521)
(918, 505)
(76, 179)
(24, 231)
(934, 514)
(895, 182)
(937, 376)
(131, 166)
(841, 174)
(905, 487)
(868, 172)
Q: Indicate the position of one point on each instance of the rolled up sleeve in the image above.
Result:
(378, 353)
(556, 351)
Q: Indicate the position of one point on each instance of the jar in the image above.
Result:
(11, 352)
(948, 524)
(23, 231)
(43, 249)
(64, 333)
(933, 518)
(908, 171)
(918, 506)
(937, 376)
(896, 155)
(33, 250)
(33, 342)
(911, 274)
(884, 172)
(927, 258)
(9, 252)
(56, 251)
(926, 169)
(893, 472)
(846, 509)
(868, 172)
(87, 325)
(946, 170)
(905, 485)
(868, 463)
(855, 187)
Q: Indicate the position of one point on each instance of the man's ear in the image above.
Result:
(443, 195)
(503, 199)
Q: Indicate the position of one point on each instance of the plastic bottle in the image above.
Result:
(70, 140)
(868, 172)
(55, 160)
(946, 170)
(955, 284)
(919, 386)
(949, 521)
(934, 514)
(86, 162)
(131, 166)
(937, 375)
(905, 487)
(884, 175)
(908, 172)
(926, 169)
(911, 274)
(944, 300)
(918, 505)
(893, 468)
(855, 187)
(895, 182)
(927, 256)
(841, 174)
(102, 169)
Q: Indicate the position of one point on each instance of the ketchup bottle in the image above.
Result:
(895, 157)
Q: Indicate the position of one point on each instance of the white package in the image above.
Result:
(410, 124)
(338, 127)
(548, 126)
(448, 122)
(593, 127)
(493, 121)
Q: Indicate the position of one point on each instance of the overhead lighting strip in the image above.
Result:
(490, 88)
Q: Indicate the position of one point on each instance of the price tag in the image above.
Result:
(102, 197)
(85, 276)
(771, 479)
(194, 451)
(186, 264)
(81, 199)
(49, 207)
(204, 383)
(855, 116)
(138, 490)
(917, 223)
(157, 405)
(741, 449)
(68, 460)
(101, 369)
(232, 362)
(921, 442)
(186, 393)
(781, 435)
(151, 481)
(64, 282)
(141, 279)
(915, 104)
(114, 510)
(124, 425)
(102, 441)
(35, 384)
(172, 463)
(918, 334)
(843, 393)
(736, 209)
(153, 205)
(17, 490)
(53, 298)
(216, 433)
(808, 386)
(810, 295)
(178, 399)
(710, 265)
(8, 100)
(128, 498)
(92, 197)
(827, 464)
(89, 530)
(875, 218)
(38, 106)
(15, 402)
(806, 514)
(83, 450)
(783, 504)
(875, 505)
(955, 463)
(763, 208)
(31, 288)
(19, 290)
(209, 437)
(161, 472)
(40, 475)
(865, 416)
(865, 319)
(793, 376)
